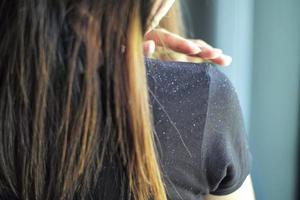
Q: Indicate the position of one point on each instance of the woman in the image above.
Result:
(75, 120)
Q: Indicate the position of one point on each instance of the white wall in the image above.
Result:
(233, 34)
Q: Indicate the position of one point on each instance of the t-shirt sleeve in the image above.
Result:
(227, 160)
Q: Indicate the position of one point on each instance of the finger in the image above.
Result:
(223, 60)
(201, 43)
(149, 47)
(172, 41)
(213, 54)
(210, 53)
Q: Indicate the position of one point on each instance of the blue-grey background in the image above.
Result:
(263, 37)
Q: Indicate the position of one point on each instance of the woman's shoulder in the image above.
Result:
(193, 97)
(198, 122)
(166, 71)
(179, 94)
(170, 71)
(174, 79)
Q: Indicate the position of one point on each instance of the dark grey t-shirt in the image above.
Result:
(199, 129)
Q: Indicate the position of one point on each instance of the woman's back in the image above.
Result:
(199, 131)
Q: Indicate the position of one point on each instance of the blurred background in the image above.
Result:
(263, 37)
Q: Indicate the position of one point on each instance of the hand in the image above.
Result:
(191, 48)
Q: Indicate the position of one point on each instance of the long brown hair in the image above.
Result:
(72, 90)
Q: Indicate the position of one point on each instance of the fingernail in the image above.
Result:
(151, 47)
(220, 51)
(227, 59)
